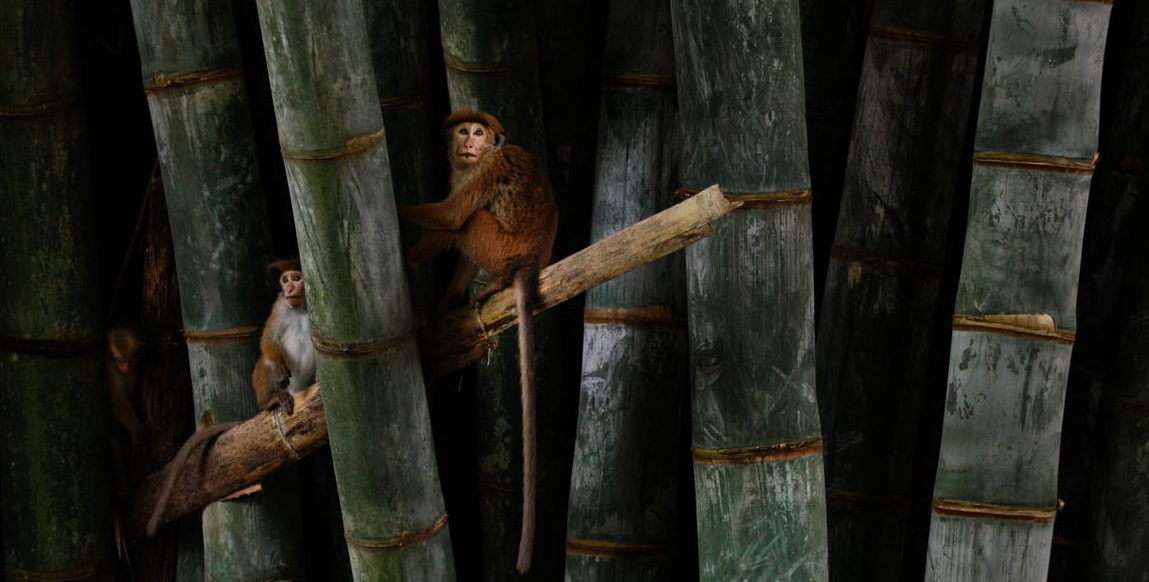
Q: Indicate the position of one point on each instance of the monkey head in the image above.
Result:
(125, 346)
(468, 134)
(291, 282)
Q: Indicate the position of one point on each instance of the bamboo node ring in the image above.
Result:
(404, 539)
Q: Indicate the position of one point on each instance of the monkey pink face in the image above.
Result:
(125, 363)
(292, 284)
(468, 140)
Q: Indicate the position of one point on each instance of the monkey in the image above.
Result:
(125, 350)
(287, 357)
(500, 215)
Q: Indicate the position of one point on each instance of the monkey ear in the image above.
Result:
(500, 139)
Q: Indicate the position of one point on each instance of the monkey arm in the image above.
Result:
(122, 409)
(472, 193)
(270, 377)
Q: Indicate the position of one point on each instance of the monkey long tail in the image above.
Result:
(526, 286)
(201, 436)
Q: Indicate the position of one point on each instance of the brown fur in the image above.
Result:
(501, 216)
(287, 359)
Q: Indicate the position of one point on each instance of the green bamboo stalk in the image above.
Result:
(882, 286)
(757, 445)
(54, 447)
(190, 58)
(622, 521)
(491, 55)
(331, 135)
(1108, 512)
(995, 494)
(399, 51)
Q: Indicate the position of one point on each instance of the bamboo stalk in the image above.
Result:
(201, 118)
(759, 485)
(995, 495)
(276, 437)
(622, 522)
(878, 311)
(54, 440)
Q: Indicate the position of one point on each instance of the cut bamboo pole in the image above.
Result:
(995, 494)
(757, 444)
(878, 311)
(281, 440)
(622, 518)
(54, 478)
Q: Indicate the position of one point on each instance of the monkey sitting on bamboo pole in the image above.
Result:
(501, 216)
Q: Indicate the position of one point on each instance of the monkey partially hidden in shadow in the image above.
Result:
(501, 216)
(126, 347)
(286, 365)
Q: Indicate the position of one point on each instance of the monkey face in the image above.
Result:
(292, 284)
(468, 140)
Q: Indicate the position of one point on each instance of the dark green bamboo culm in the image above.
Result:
(400, 53)
(333, 146)
(490, 52)
(995, 495)
(877, 318)
(54, 447)
(757, 443)
(621, 521)
(200, 115)
(1112, 505)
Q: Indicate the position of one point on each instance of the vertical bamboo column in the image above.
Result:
(995, 495)
(621, 521)
(491, 57)
(1112, 503)
(198, 100)
(399, 50)
(877, 318)
(333, 143)
(757, 443)
(54, 443)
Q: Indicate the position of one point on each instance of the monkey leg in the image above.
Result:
(457, 288)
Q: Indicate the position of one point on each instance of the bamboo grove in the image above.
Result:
(843, 290)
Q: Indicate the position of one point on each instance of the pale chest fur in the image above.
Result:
(294, 334)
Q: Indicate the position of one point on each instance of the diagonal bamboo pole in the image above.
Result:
(271, 441)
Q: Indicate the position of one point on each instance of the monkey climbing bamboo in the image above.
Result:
(460, 332)
(198, 100)
(54, 481)
(757, 444)
(995, 495)
(885, 270)
(622, 519)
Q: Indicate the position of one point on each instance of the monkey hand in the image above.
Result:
(281, 399)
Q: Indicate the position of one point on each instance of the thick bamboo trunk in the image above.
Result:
(333, 144)
(995, 495)
(622, 516)
(54, 447)
(198, 100)
(1108, 513)
(882, 287)
(491, 54)
(272, 442)
(757, 444)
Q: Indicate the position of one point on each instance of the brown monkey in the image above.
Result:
(287, 358)
(125, 350)
(500, 215)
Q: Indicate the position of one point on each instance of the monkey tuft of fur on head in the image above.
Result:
(282, 265)
(468, 115)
